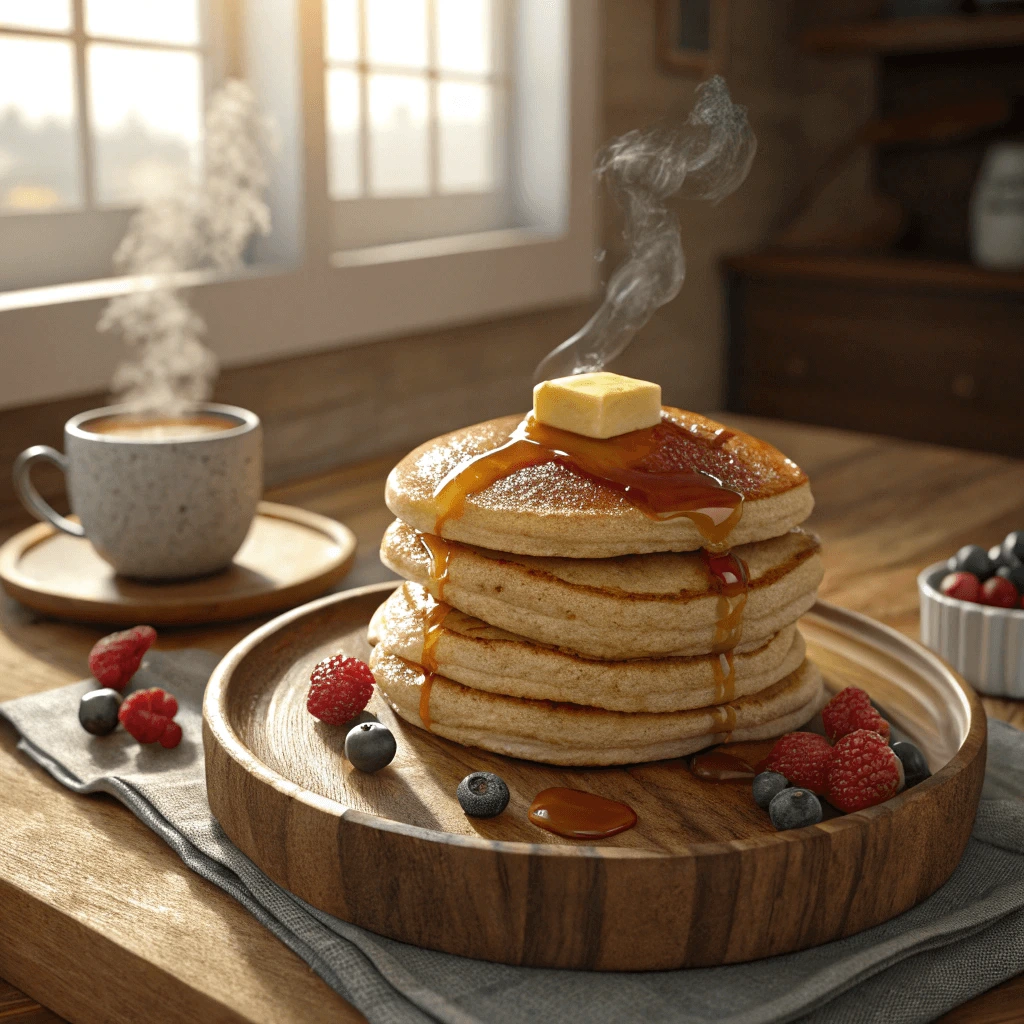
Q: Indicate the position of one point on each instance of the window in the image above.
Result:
(100, 104)
(437, 173)
(417, 98)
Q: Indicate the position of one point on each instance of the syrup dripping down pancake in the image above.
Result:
(551, 510)
(572, 734)
(634, 606)
(484, 657)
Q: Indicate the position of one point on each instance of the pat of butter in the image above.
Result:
(597, 405)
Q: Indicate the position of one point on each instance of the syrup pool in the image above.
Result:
(578, 815)
(719, 766)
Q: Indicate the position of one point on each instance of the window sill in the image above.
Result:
(110, 287)
(401, 252)
(51, 348)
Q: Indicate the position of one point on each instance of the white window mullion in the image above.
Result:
(433, 120)
(82, 105)
(364, 101)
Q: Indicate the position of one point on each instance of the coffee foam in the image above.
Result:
(161, 428)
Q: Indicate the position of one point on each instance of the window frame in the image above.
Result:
(97, 226)
(306, 296)
(370, 220)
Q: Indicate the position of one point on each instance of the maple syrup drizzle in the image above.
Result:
(724, 667)
(616, 462)
(725, 720)
(428, 659)
(578, 815)
(440, 556)
(719, 766)
(727, 574)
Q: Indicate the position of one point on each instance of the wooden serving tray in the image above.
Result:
(289, 557)
(701, 880)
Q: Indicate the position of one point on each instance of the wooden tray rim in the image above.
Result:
(51, 600)
(215, 717)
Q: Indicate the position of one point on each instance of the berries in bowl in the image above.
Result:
(972, 614)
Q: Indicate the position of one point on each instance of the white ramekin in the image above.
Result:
(985, 645)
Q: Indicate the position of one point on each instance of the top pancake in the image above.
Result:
(550, 510)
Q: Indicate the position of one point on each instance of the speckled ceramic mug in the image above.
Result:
(160, 498)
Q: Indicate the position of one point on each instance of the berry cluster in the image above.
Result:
(994, 577)
(339, 690)
(147, 715)
(857, 769)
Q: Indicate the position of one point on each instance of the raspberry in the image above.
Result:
(964, 586)
(148, 715)
(803, 758)
(850, 710)
(999, 592)
(116, 658)
(864, 772)
(171, 736)
(339, 688)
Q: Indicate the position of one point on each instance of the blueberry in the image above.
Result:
(973, 559)
(915, 767)
(97, 711)
(766, 786)
(363, 716)
(370, 746)
(483, 794)
(1015, 574)
(999, 557)
(794, 808)
(1013, 545)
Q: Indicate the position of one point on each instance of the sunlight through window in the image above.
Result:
(414, 97)
(142, 67)
(39, 167)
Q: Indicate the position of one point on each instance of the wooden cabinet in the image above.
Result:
(918, 349)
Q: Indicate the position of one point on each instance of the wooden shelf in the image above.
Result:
(946, 33)
(893, 270)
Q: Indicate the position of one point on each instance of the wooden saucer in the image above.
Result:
(701, 880)
(289, 557)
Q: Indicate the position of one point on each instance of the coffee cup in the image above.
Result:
(158, 497)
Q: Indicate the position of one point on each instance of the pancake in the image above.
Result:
(484, 657)
(634, 606)
(550, 510)
(571, 734)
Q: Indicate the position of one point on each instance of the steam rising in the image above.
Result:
(707, 157)
(168, 368)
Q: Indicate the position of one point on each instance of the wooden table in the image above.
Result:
(100, 921)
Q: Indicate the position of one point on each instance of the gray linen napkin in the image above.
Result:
(963, 940)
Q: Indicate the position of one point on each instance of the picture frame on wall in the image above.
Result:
(691, 35)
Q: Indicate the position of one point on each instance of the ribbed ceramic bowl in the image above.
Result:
(985, 645)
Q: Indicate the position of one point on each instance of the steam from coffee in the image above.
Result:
(706, 157)
(196, 225)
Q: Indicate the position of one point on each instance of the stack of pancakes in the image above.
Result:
(551, 619)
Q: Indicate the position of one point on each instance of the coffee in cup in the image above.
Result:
(158, 497)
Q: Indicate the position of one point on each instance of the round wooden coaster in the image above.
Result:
(289, 557)
(702, 879)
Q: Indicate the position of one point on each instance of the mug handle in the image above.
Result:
(31, 498)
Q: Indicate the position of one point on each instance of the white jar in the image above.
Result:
(997, 209)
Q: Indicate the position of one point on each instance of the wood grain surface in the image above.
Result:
(885, 509)
(502, 889)
(290, 556)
